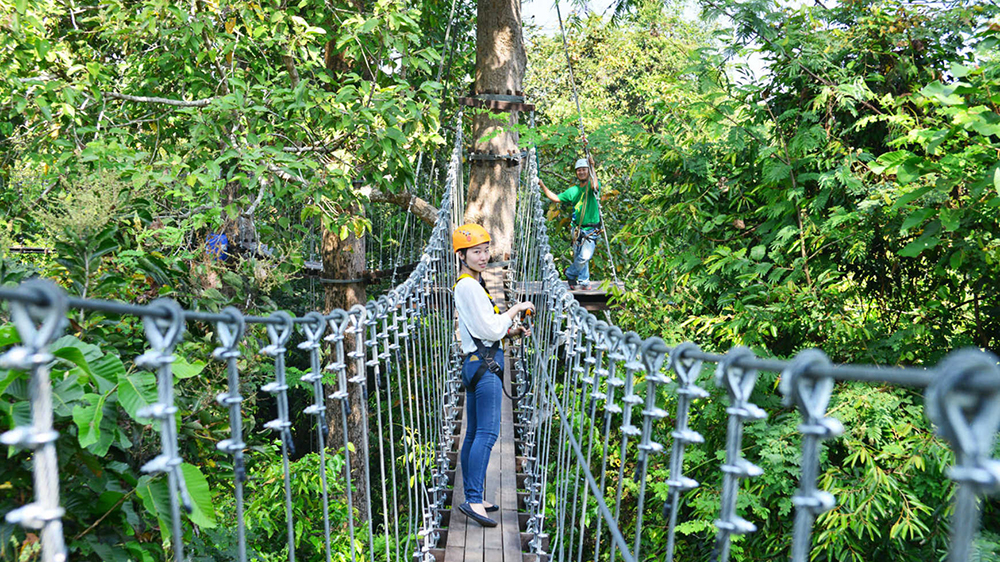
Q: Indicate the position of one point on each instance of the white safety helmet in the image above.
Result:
(582, 163)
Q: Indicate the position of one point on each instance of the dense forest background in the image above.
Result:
(845, 198)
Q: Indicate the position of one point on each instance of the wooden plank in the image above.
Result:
(474, 534)
(511, 539)
(532, 288)
(455, 547)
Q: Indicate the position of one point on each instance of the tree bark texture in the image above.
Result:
(405, 200)
(500, 64)
(345, 259)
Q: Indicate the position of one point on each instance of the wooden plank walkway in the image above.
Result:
(592, 299)
(467, 540)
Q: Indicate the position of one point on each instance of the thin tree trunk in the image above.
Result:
(500, 64)
(345, 259)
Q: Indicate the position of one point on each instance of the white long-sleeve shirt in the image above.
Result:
(476, 317)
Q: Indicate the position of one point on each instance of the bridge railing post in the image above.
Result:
(654, 353)
(38, 326)
(313, 330)
(964, 402)
(358, 315)
(572, 352)
(811, 395)
(739, 384)
(279, 334)
(164, 332)
(688, 370)
(339, 322)
(614, 345)
(230, 334)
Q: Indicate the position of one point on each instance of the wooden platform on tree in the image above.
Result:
(595, 298)
(467, 540)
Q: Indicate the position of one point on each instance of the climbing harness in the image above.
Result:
(486, 354)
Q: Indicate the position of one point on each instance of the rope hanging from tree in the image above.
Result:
(583, 135)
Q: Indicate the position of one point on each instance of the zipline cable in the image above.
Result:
(586, 145)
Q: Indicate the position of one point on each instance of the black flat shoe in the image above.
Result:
(492, 508)
(468, 511)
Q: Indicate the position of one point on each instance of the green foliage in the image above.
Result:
(846, 198)
(96, 400)
(622, 73)
(839, 209)
(249, 119)
(265, 511)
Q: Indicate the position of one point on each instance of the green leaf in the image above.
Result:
(88, 419)
(7, 378)
(911, 196)
(155, 496)
(928, 240)
(959, 70)
(956, 259)
(916, 218)
(90, 352)
(184, 370)
(368, 26)
(138, 552)
(135, 392)
(106, 371)
(396, 135)
(888, 162)
(908, 171)
(65, 392)
(75, 356)
(776, 171)
(951, 219)
(942, 94)
(203, 513)
(8, 335)
(19, 412)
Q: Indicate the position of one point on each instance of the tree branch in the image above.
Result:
(285, 175)
(304, 149)
(406, 200)
(164, 101)
(293, 74)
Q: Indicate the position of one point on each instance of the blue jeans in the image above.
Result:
(482, 410)
(584, 250)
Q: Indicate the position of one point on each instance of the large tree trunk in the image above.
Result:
(345, 259)
(500, 64)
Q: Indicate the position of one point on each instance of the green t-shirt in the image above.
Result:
(585, 210)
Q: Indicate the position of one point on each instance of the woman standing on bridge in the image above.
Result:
(481, 326)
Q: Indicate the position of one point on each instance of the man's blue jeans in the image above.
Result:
(585, 246)
(482, 410)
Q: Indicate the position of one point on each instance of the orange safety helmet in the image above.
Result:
(469, 235)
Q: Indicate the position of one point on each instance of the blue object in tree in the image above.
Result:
(217, 245)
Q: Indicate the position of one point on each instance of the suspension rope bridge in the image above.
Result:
(580, 381)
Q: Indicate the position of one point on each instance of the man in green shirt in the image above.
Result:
(586, 221)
